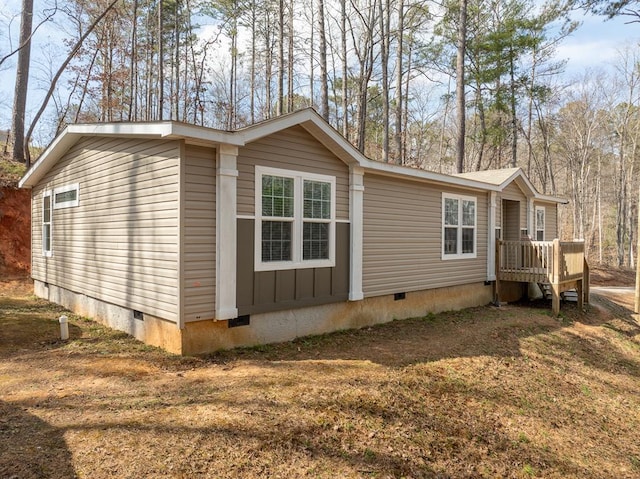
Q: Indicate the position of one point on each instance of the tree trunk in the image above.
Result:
(322, 54)
(460, 84)
(290, 60)
(399, 102)
(345, 71)
(384, 64)
(280, 57)
(56, 77)
(22, 81)
(160, 63)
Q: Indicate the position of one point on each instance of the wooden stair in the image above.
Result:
(570, 295)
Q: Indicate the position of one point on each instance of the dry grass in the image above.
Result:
(486, 392)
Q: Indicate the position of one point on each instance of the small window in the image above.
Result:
(459, 226)
(540, 214)
(498, 233)
(295, 219)
(46, 224)
(66, 196)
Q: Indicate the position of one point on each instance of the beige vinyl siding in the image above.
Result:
(402, 249)
(550, 219)
(290, 149)
(199, 257)
(120, 244)
(514, 193)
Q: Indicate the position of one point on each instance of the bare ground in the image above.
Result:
(485, 392)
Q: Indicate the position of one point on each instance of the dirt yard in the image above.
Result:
(486, 392)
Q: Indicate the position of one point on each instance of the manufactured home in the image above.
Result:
(195, 239)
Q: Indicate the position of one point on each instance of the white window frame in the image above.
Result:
(544, 221)
(64, 189)
(49, 252)
(297, 261)
(460, 227)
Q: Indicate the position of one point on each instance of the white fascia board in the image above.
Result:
(519, 174)
(534, 192)
(311, 121)
(167, 129)
(551, 199)
(47, 159)
(203, 133)
(388, 169)
(273, 125)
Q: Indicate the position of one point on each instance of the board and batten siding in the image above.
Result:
(550, 219)
(402, 248)
(120, 244)
(291, 149)
(199, 230)
(513, 193)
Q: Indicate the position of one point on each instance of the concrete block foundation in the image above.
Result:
(207, 336)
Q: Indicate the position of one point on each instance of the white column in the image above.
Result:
(531, 219)
(356, 207)
(491, 237)
(226, 201)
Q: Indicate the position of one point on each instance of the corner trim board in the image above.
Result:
(226, 248)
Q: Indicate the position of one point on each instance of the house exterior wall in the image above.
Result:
(550, 219)
(199, 233)
(120, 244)
(514, 193)
(292, 149)
(261, 291)
(402, 244)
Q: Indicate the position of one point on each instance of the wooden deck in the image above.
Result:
(561, 264)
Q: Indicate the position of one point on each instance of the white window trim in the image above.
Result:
(64, 189)
(296, 241)
(459, 227)
(46, 253)
(544, 223)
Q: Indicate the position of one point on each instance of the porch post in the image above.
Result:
(226, 231)
(531, 219)
(491, 238)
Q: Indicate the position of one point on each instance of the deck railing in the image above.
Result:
(559, 263)
(526, 261)
(540, 261)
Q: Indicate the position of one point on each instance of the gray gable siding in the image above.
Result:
(291, 149)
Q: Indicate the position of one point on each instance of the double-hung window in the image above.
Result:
(459, 217)
(46, 223)
(540, 213)
(295, 220)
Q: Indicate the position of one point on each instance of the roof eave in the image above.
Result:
(167, 130)
(424, 175)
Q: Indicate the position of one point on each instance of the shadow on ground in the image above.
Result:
(30, 447)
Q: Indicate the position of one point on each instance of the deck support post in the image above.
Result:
(555, 277)
(497, 282)
(555, 301)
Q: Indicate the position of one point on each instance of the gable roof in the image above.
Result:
(504, 177)
(307, 118)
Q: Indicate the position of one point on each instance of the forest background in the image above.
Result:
(382, 72)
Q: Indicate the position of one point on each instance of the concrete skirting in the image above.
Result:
(150, 330)
(207, 336)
